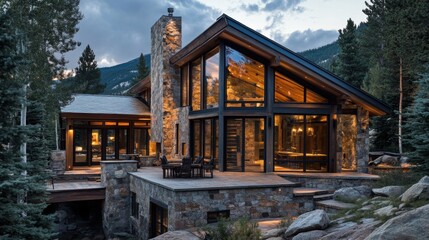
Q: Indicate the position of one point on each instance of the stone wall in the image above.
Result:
(58, 161)
(331, 183)
(346, 136)
(166, 40)
(362, 140)
(116, 210)
(187, 209)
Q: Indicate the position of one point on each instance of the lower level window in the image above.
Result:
(159, 219)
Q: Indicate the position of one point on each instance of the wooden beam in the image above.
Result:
(76, 195)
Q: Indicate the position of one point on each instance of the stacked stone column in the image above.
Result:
(116, 209)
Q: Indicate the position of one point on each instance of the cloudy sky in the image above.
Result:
(118, 31)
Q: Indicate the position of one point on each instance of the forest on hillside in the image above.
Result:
(389, 58)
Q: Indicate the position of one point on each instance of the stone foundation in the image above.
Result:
(116, 210)
(189, 208)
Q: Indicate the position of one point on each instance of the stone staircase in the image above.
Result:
(322, 199)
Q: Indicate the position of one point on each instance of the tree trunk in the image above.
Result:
(400, 107)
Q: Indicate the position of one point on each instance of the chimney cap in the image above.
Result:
(170, 11)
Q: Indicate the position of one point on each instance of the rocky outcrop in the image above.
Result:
(352, 194)
(386, 211)
(410, 225)
(315, 234)
(177, 235)
(314, 220)
(386, 159)
(419, 190)
(389, 191)
(356, 232)
(272, 233)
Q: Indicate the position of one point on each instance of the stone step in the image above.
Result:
(323, 197)
(334, 204)
(77, 177)
(309, 191)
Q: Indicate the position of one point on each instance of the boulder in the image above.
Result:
(417, 191)
(314, 220)
(386, 211)
(355, 232)
(352, 194)
(177, 235)
(315, 234)
(424, 180)
(387, 159)
(410, 225)
(389, 191)
(272, 233)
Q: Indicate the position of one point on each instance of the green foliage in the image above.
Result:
(396, 178)
(350, 67)
(395, 36)
(143, 69)
(88, 74)
(323, 56)
(34, 35)
(241, 229)
(22, 196)
(417, 137)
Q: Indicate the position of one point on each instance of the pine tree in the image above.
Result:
(43, 32)
(143, 70)
(88, 74)
(395, 45)
(417, 136)
(349, 63)
(18, 219)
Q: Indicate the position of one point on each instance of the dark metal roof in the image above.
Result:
(106, 104)
(232, 27)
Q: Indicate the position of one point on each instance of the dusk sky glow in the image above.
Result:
(118, 31)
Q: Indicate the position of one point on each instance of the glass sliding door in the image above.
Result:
(110, 146)
(254, 145)
(245, 144)
(301, 143)
(316, 147)
(96, 146)
(80, 147)
(234, 141)
(122, 143)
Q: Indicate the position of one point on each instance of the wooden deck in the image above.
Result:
(75, 191)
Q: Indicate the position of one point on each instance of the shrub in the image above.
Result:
(397, 178)
(242, 229)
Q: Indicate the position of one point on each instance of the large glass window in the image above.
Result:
(244, 80)
(196, 85)
(184, 86)
(211, 91)
(286, 90)
(301, 143)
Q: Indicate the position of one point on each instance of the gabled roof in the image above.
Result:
(140, 86)
(227, 28)
(105, 105)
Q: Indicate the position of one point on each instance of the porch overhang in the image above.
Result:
(226, 28)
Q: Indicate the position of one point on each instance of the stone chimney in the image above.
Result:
(166, 40)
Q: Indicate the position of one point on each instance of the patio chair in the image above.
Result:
(185, 169)
(197, 165)
(167, 168)
(208, 167)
